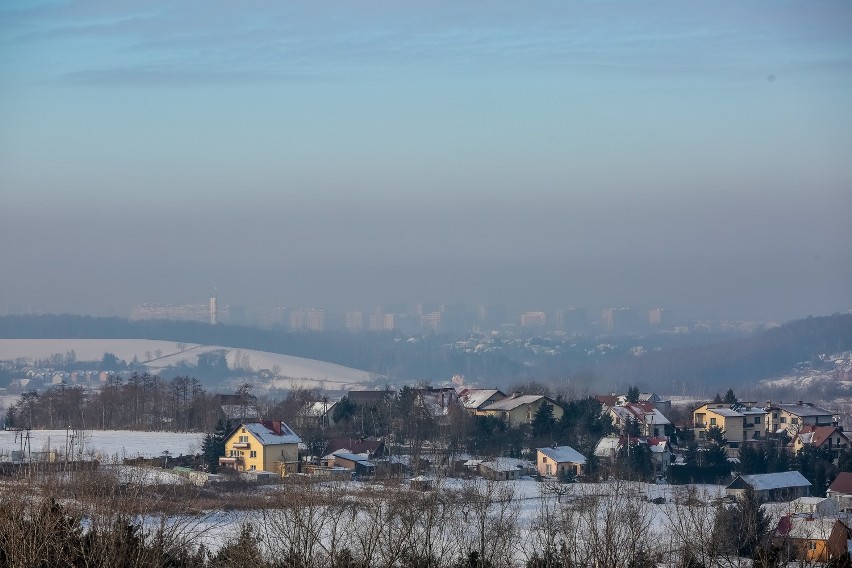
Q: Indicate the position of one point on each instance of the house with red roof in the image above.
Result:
(831, 437)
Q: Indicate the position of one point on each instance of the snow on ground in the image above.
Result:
(106, 445)
(156, 355)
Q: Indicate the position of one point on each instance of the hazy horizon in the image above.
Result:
(693, 157)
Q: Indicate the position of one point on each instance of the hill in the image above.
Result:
(763, 355)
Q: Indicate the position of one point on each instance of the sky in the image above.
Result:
(694, 156)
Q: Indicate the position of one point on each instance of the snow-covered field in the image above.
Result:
(156, 355)
(106, 444)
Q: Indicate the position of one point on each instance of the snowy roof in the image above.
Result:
(506, 464)
(769, 481)
(353, 458)
(564, 454)
(267, 435)
(318, 409)
(804, 409)
(606, 446)
(474, 398)
(808, 528)
(725, 412)
(817, 435)
(514, 402)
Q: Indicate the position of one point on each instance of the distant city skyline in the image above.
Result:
(348, 154)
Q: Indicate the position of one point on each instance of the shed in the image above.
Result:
(781, 486)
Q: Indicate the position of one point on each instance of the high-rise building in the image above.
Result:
(660, 317)
(311, 319)
(354, 320)
(533, 319)
(619, 320)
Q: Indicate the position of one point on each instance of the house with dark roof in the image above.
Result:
(781, 486)
(262, 446)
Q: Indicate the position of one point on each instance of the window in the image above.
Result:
(244, 439)
(712, 422)
(253, 454)
(794, 420)
(757, 419)
(811, 545)
(701, 434)
(253, 468)
(783, 420)
(757, 435)
(543, 459)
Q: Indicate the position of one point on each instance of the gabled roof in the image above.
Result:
(361, 459)
(373, 448)
(803, 409)
(564, 454)
(506, 464)
(817, 435)
(474, 398)
(270, 433)
(514, 402)
(770, 481)
(805, 528)
(842, 484)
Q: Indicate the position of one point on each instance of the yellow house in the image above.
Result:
(261, 446)
(520, 409)
(558, 461)
(812, 539)
(722, 416)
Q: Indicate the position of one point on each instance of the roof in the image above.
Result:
(355, 445)
(514, 402)
(271, 433)
(361, 459)
(318, 409)
(769, 481)
(727, 412)
(804, 409)
(506, 464)
(607, 399)
(563, 454)
(607, 445)
(817, 435)
(806, 528)
(474, 398)
(842, 483)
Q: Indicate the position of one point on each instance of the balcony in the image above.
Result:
(241, 446)
(230, 460)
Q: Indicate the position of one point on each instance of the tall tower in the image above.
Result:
(213, 308)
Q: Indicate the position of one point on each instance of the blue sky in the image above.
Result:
(347, 153)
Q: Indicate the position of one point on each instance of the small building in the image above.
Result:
(559, 461)
(261, 446)
(505, 469)
(782, 486)
(357, 463)
(373, 449)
